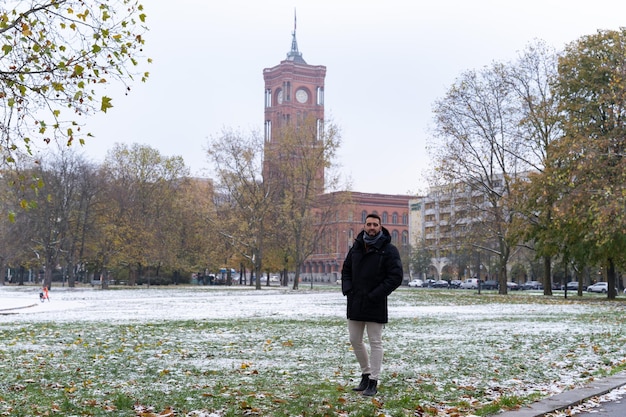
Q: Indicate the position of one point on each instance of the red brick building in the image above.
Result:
(325, 264)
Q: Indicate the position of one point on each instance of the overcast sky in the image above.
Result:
(387, 63)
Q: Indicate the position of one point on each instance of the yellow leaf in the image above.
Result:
(26, 30)
(106, 104)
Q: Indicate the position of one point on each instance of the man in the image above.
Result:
(371, 272)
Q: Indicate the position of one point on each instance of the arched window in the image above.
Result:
(363, 216)
(405, 238)
(405, 218)
(384, 217)
(394, 218)
(394, 236)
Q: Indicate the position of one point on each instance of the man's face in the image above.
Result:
(372, 226)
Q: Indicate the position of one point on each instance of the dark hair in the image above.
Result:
(374, 216)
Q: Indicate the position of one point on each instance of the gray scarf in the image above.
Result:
(371, 240)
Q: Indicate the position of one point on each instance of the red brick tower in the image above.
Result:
(294, 94)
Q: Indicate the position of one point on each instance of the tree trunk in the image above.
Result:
(3, 271)
(610, 277)
(296, 278)
(47, 275)
(502, 279)
(547, 275)
(71, 275)
(284, 279)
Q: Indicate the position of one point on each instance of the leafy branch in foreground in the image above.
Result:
(55, 58)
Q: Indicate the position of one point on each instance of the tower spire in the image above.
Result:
(294, 54)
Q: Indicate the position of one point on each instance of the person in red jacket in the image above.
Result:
(371, 271)
(43, 295)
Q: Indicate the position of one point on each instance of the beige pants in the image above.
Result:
(370, 364)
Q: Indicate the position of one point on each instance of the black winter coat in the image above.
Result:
(368, 276)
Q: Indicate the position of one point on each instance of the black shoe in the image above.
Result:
(365, 378)
(371, 390)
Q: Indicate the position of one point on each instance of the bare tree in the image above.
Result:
(245, 201)
(478, 132)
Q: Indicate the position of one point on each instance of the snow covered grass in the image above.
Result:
(217, 352)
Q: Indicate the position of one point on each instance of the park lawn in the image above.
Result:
(447, 353)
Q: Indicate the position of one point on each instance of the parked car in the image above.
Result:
(602, 287)
(532, 285)
(455, 283)
(489, 285)
(512, 286)
(416, 283)
(573, 286)
(470, 284)
(442, 283)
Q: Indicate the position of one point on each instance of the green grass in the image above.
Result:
(304, 367)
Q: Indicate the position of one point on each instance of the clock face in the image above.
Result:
(302, 96)
(280, 97)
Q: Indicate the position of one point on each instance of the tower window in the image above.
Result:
(279, 96)
(320, 129)
(320, 96)
(268, 98)
(268, 130)
(287, 88)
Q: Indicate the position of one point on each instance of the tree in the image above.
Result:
(197, 240)
(589, 160)
(420, 259)
(70, 189)
(531, 77)
(244, 201)
(141, 220)
(306, 151)
(50, 218)
(477, 124)
(16, 252)
(55, 58)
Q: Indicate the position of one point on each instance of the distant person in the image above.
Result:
(371, 271)
(43, 295)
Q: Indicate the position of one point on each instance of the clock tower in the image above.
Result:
(294, 105)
